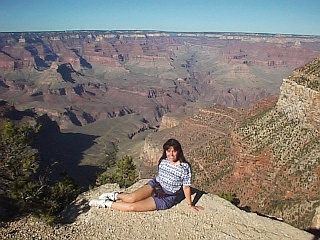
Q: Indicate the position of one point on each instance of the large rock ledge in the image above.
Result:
(300, 102)
(219, 220)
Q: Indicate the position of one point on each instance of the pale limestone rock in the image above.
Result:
(300, 102)
(315, 224)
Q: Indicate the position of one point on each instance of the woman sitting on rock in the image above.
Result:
(161, 192)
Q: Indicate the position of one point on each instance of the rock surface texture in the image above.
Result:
(219, 220)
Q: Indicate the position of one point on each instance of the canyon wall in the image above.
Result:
(144, 72)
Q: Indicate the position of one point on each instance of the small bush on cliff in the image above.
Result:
(124, 174)
(231, 197)
(56, 197)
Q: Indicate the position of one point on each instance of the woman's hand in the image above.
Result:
(187, 194)
(196, 208)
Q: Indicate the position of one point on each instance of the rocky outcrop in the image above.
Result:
(300, 102)
(300, 95)
(151, 153)
(315, 223)
(219, 220)
(168, 122)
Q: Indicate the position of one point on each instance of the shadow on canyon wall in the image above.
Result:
(63, 152)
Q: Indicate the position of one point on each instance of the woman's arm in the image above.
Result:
(187, 194)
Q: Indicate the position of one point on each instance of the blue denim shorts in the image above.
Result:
(163, 203)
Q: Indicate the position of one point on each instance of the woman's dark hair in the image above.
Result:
(176, 146)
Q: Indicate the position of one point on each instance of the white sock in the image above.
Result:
(108, 203)
(116, 196)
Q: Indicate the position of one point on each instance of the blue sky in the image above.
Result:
(253, 16)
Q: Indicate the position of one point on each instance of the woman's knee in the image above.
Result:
(131, 208)
(139, 207)
(123, 206)
(141, 194)
(131, 198)
(128, 198)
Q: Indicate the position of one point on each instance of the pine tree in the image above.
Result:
(20, 180)
(125, 174)
(18, 162)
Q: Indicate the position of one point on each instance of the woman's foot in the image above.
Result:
(100, 203)
(113, 196)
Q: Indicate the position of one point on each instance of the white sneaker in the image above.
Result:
(100, 203)
(113, 196)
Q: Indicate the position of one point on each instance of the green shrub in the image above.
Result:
(231, 197)
(125, 174)
(18, 162)
(28, 190)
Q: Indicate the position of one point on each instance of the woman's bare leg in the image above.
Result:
(144, 205)
(140, 200)
(136, 196)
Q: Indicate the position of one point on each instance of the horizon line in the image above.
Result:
(155, 31)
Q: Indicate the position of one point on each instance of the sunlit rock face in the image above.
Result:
(300, 96)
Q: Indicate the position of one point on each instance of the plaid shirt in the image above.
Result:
(172, 177)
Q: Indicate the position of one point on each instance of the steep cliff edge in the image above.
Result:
(290, 133)
(219, 220)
